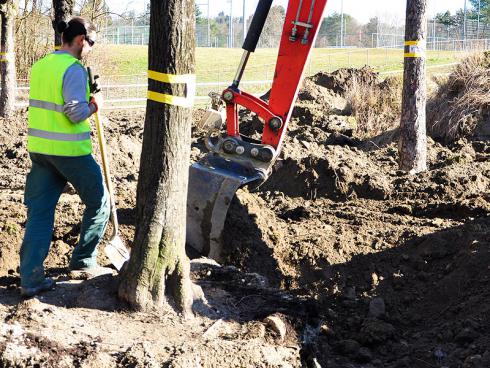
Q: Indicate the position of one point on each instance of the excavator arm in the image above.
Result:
(235, 161)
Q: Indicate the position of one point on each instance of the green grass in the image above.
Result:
(219, 64)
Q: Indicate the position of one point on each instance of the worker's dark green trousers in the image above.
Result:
(44, 185)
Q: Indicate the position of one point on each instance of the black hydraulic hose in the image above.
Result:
(257, 25)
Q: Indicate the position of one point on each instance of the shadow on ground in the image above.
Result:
(420, 304)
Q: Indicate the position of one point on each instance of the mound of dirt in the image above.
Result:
(340, 81)
(337, 172)
(352, 102)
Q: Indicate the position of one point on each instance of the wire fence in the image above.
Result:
(217, 32)
(125, 35)
(139, 35)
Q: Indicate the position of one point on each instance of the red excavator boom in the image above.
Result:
(303, 20)
(236, 160)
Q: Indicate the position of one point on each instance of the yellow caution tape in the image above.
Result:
(416, 49)
(188, 79)
(171, 78)
(4, 57)
(169, 99)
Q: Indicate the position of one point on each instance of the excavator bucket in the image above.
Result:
(212, 185)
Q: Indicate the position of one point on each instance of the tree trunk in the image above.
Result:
(413, 139)
(159, 267)
(8, 10)
(63, 10)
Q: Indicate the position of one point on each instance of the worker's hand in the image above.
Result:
(98, 101)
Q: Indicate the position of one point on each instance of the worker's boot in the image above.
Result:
(47, 284)
(86, 273)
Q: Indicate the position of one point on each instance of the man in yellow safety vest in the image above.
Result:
(60, 149)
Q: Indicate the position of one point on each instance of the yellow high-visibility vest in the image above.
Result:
(50, 131)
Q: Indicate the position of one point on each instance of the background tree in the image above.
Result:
(219, 29)
(8, 12)
(453, 24)
(484, 16)
(271, 33)
(413, 138)
(446, 19)
(34, 18)
(98, 12)
(63, 10)
(159, 268)
(330, 30)
(370, 28)
(484, 10)
(202, 28)
(199, 16)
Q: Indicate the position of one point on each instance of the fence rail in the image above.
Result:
(111, 91)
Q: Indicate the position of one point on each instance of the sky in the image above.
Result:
(365, 9)
(120, 6)
(360, 9)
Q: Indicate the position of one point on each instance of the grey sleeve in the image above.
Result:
(76, 105)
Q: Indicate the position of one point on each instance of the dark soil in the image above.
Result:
(365, 265)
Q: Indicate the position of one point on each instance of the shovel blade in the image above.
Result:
(117, 252)
(212, 186)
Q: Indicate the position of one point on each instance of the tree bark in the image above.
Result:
(413, 139)
(158, 270)
(63, 10)
(8, 10)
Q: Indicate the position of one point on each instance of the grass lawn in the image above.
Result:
(126, 64)
(219, 64)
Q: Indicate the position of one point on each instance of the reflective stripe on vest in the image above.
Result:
(58, 136)
(50, 131)
(46, 105)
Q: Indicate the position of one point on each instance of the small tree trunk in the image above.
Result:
(159, 267)
(63, 10)
(8, 10)
(413, 139)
